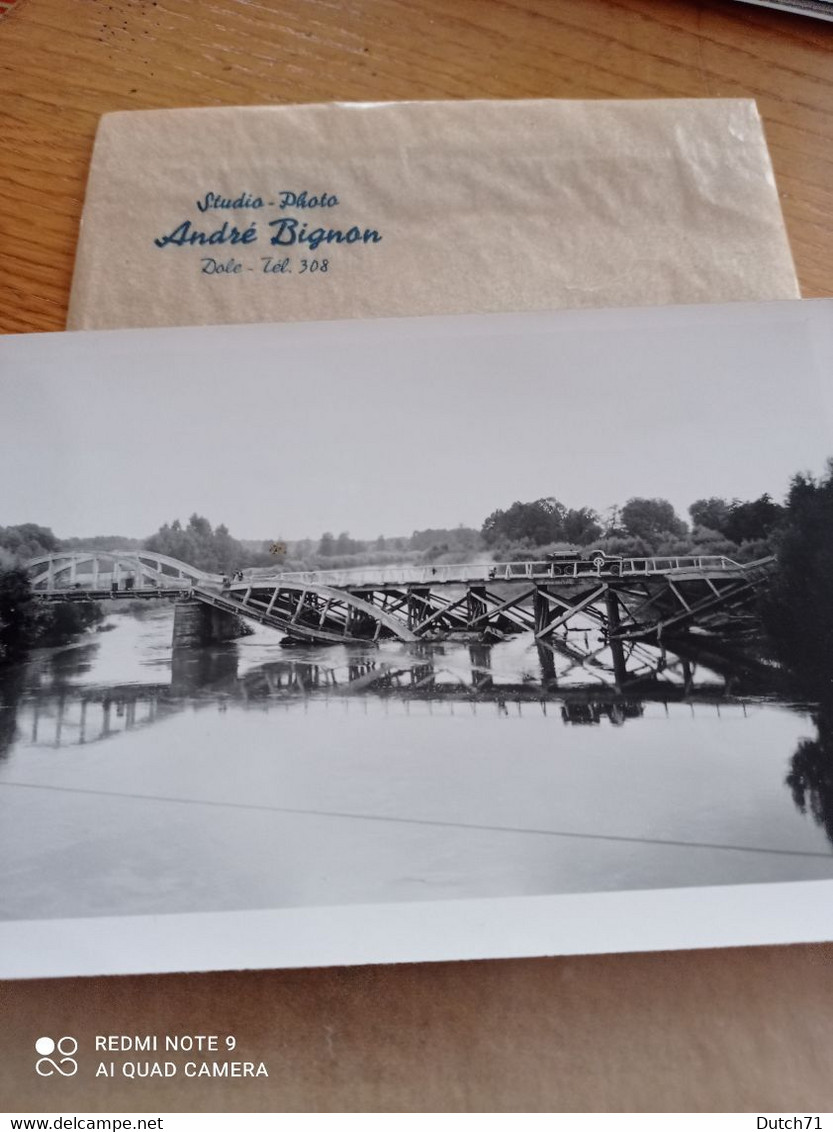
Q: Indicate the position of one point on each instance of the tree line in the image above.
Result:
(26, 623)
(216, 551)
(641, 527)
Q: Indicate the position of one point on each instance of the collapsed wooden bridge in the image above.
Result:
(621, 599)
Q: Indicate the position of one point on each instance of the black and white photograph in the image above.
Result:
(418, 614)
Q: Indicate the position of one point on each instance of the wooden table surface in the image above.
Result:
(742, 1029)
(65, 62)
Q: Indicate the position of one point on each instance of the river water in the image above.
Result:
(133, 780)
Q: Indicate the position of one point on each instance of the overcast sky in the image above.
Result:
(396, 425)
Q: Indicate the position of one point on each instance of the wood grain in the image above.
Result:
(730, 1030)
(63, 64)
(738, 1030)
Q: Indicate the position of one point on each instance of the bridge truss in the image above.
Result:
(93, 574)
(558, 610)
(620, 601)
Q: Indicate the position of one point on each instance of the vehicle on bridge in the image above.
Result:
(581, 560)
(574, 562)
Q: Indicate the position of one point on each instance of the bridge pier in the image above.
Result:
(546, 658)
(419, 605)
(197, 624)
(360, 625)
(613, 626)
(543, 612)
(477, 605)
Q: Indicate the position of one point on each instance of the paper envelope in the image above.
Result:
(283, 213)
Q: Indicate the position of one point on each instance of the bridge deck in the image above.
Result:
(94, 573)
(622, 598)
(680, 568)
(79, 593)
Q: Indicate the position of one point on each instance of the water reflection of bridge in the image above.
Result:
(59, 714)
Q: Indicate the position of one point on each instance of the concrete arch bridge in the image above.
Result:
(561, 604)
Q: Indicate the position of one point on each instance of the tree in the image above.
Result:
(227, 550)
(465, 538)
(710, 513)
(200, 526)
(754, 520)
(24, 623)
(346, 545)
(17, 613)
(198, 545)
(540, 522)
(798, 611)
(581, 526)
(454, 538)
(326, 547)
(102, 542)
(60, 621)
(651, 519)
(811, 772)
(28, 540)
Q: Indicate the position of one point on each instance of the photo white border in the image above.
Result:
(421, 932)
